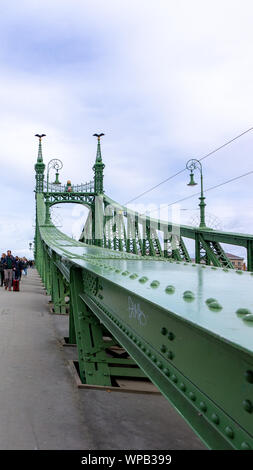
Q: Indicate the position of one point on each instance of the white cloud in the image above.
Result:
(164, 80)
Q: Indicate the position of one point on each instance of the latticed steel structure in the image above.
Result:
(129, 283)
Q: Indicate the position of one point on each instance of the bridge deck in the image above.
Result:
(40, 408)
(230, 288)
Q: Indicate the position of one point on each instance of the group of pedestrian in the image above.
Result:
(11, 270)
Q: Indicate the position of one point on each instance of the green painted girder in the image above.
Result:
(207, 234)
(72, 198)
(187, 326)
(184, 255)
(96, 366)
(201, 347)
(214, 253)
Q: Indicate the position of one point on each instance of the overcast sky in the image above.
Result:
(164, 80)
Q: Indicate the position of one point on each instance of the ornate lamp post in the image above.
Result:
(192, 165)
(57, 165)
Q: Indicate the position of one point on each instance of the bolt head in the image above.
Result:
(171, 336)
(249, 376)
(247, 405)
(203, 406)
(245, 446)
(215, 418)
(229, 432)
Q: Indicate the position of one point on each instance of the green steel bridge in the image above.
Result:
(130, 281)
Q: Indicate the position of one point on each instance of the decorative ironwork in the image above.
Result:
(193, 165)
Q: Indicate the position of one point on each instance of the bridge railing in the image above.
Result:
(125, 230)
(76, 188)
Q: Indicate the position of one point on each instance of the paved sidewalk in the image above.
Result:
(40, 406)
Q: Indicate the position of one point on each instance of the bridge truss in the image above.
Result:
(130, 281)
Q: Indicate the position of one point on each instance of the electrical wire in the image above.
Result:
(205, 191)
(181, 171)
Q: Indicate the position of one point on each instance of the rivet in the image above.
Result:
(182, 387)
(214, 306)
(143, 279)
(213, 267)
(245, 446)
(117, 271)
(170, 290)
(153, 358)
(192, 396)
(188, 295)
(243, 311)
(164, 331)
(174, 378)
(139, 343)
(194, 265)
(159, 364)
(203, 266)
(229, 432)
(125, 273)
(155, 284)
(143, 348)
(239, 271)
(163, 348)
(249, 376)
(171, 336)
(133, 276)
(248, 317)
(148, 352)
(215, 418)
(170, 355)
(203, 406)
(247, 405)
(167, 372)
(210, 300)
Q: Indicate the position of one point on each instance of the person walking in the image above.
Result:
(2, 268)
(9, 266)
(18, 269)
(25, 266)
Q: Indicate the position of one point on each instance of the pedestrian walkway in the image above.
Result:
(40, 406)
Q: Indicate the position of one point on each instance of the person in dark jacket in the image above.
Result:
(18, 268)
(9, 266)
(2, 268)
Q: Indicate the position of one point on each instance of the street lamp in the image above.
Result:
(192, 165)
(57, 165)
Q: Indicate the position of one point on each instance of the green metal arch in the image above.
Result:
(87, 204)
